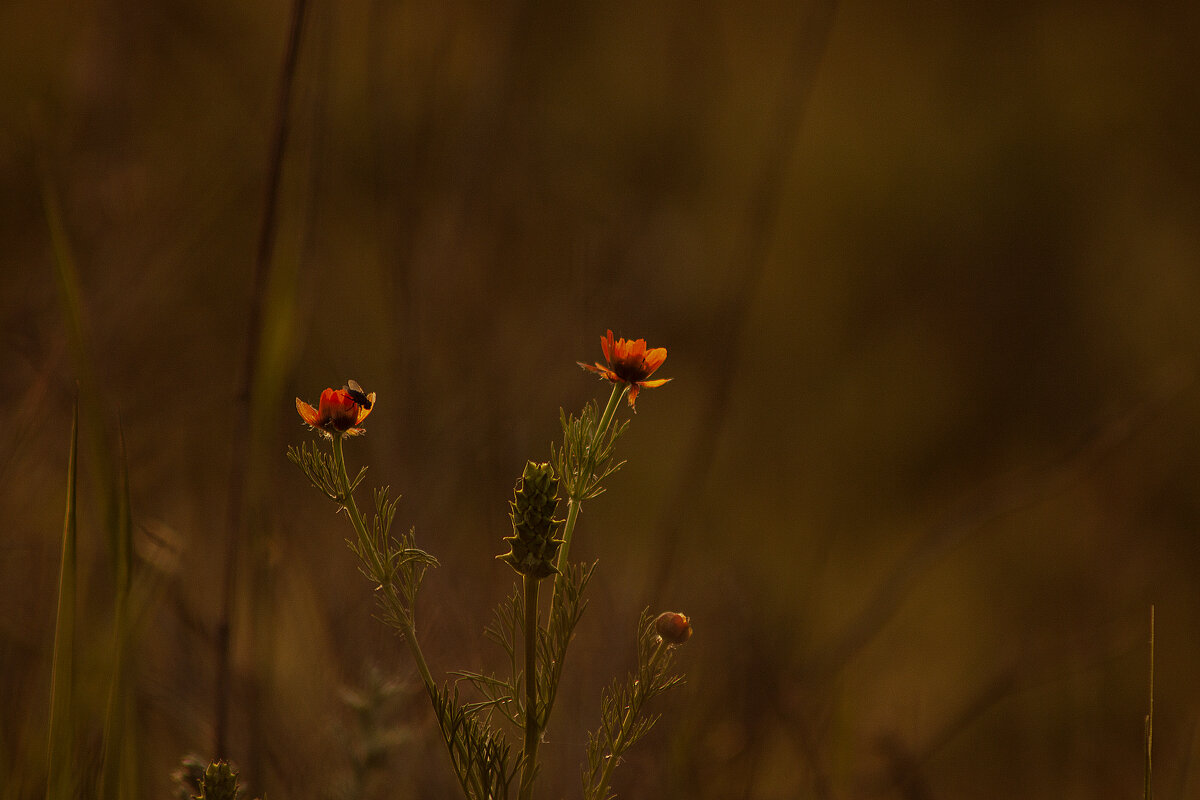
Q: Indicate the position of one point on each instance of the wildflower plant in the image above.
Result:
(478, 711)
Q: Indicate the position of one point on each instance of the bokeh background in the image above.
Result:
(927, 273)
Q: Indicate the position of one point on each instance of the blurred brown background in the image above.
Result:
(927, 273)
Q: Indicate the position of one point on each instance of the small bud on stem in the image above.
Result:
(673, 628)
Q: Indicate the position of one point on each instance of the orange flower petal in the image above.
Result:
(363, 413)
(308, 413)
(633, 393)
(327, 402)
(653, 359)
(601, 370)
(654, 384)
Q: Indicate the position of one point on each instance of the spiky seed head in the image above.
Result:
(533, 547)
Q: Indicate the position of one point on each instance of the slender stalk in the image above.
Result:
(573, 508)
(367, 547)
(575, 492)
(1149, 789)
(116, 745)
(348, 503)
(60, 782)
(410, 638)
(532, 732)
(618, 391)
(631, 713)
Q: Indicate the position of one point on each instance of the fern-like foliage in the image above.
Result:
(322, 471)
(393, 563)
(481, 757)
(556, 637)
(585, 458)
(505, 695)
(623, 716)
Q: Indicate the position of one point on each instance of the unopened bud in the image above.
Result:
(673, 627)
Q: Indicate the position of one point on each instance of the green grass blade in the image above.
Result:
(61, 780)
(90, 399)
(67, 278)
(118, 767)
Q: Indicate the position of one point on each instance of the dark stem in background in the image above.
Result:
(241, 398)
(1149, 790)
(761, 224)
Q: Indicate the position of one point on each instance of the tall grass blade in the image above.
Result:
(66, 276)
(118, 767)
(61, 780)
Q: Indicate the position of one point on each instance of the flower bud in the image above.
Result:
(533, 548)
(673, 627)
(220, 782)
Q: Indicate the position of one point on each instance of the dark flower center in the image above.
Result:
(630, 370)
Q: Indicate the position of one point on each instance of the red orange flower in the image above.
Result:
(629, 362)
(337, 412)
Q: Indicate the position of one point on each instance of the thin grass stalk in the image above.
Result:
(1149, 788)
(70, 296)
(116, 771)
(61, 780)
(111, 490)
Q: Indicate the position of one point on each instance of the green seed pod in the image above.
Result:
(220, 782)
(533, 547)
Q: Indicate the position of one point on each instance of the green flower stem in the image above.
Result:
(532, 731)
(368, 547)
(348, 502)
(575, 493)
(631, 713)
(573, 508)
(618, 391)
